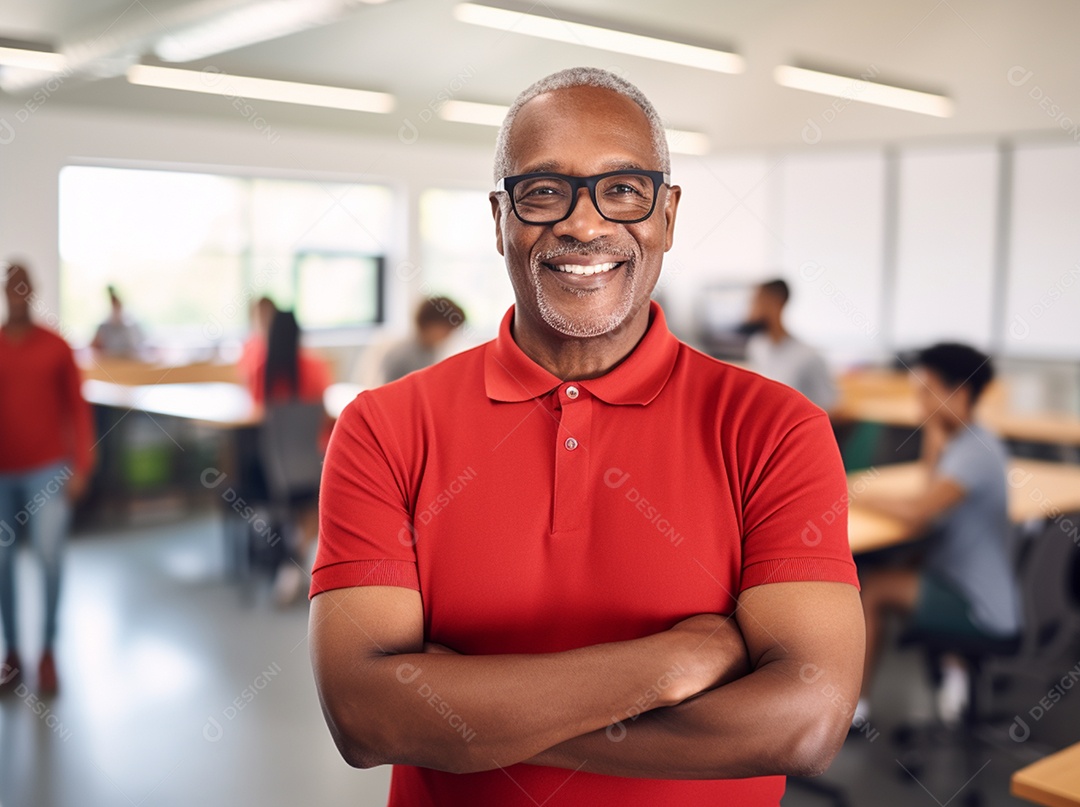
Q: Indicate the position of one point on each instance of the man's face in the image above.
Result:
(762, 306)
(582, 131)
(17, 291)
(937, 400)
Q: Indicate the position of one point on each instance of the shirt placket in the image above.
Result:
(572, 454)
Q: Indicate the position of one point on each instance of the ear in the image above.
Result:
(496, 213)
(671, 205)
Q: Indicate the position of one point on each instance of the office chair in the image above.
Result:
(288, 448)
(1051, 623)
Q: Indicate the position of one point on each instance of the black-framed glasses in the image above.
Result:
(623, 197)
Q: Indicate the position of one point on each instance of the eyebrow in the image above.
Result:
(611, 165)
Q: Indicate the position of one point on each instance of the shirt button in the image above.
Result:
(571, 392)
(570, 444)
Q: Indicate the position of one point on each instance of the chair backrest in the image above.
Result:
(1045, 569)
(289, 447)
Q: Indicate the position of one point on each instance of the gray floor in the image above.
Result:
(179, 688)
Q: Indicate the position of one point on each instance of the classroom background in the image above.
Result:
(188, 183)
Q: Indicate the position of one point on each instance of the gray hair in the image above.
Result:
(581, 77)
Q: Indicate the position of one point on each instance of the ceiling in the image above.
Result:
(417, 51)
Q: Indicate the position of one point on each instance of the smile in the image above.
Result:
(579, 269)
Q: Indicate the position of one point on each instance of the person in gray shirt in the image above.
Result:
(966, 586)
(437, 319)
(119, 335)
(774, 353)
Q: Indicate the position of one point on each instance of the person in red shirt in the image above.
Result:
(253, 353)
(46, 455)
(585, 564)
(286, 372)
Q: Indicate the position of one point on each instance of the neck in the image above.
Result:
(578, 358)
(952, 427)
(17, 327)
(776, 331)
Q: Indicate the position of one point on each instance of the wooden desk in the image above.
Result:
(140, 373)
(1037, 489)
(888, 397)
(1053, 781)
(217, 404)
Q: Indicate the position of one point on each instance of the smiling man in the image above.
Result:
(584, 564)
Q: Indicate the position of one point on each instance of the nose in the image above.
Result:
(585, 222)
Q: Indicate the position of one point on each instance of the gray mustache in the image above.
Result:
(590, 248)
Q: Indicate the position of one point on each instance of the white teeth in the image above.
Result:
(577, 269)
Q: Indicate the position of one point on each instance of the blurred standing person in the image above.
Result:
(776, 354)
(436, 320)
(46, 431)
(119, 335)
(253, 353)
(289, 373)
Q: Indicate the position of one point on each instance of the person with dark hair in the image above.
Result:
(287, 371)
(253, 353)
(966, 585)
(290, 373)
(776, 354)
(436, 320)
(119, 335)
(47, 455)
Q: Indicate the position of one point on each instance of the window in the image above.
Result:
(459, 257)
(188, 252)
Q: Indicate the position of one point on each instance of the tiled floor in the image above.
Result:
(179, 689)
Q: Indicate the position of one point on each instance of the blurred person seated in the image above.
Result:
(119, 336)
(253, 353)
(776, 354)
(289, 373)
(47, 439)
(966, 585)
(436, 320)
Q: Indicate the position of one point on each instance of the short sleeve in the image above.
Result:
(795, 513)
(820, 387)
(961, 462)
(365, 527)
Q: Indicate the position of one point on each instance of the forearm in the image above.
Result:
(784, 718)
(905, 509)
(469, 713)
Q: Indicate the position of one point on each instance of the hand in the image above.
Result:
(711, 652)
(77, 485)
(934, 438)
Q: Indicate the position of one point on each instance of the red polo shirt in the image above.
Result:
(43, 416)
(536, 515)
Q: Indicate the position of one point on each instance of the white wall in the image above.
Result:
(1044, 281)
(945, 263)
(820, 218)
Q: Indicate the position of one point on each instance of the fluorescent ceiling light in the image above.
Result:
(248, 25)
(680, 141)
(565, 29)
(868, 92)
(32, 59)
(472, 112)
(263, 89)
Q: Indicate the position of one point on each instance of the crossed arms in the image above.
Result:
(770, 690)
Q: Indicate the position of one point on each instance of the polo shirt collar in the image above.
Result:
(510, 375)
